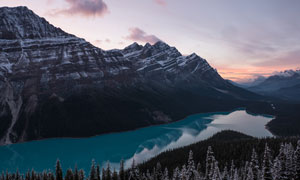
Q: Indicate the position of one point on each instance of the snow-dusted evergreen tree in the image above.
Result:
(115, 175)
(232, 170)
(103, 174)
(216, 174)
(17, 176)
(81, 174)
(122, 170)
(166, 174)
(93, 173)
(250, 175)
(276, 169)
(210, 162)
(58, 171)
(159, 172)
(108, 172)
(279, 170)
(134, 172)
(98, 173)
(76, 173)
(254, 164)
(289, 164)
(184, 174)
(69, 175)
(225, 174)
(191, 165)
(176, 174)
(198, 167)
(267, 164)
(236, 175)
(50, 175)
(297, 161)
(149, 175)
(244, 170)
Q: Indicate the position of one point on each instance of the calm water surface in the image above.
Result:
(140, 144)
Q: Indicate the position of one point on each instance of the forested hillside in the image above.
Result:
(227, 155)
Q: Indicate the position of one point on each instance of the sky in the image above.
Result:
(241, 39)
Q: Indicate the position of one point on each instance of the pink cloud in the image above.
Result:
(136, 34)
(85, 8)
(160, 2)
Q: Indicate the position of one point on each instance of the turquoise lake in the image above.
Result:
(140, 144)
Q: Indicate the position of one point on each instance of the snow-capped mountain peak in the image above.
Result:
(288, 73)
(39, 63)
(22, 23)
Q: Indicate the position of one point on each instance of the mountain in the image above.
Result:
(284, 85)
(252, 82)
(54, 84)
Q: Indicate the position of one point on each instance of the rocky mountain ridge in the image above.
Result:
(54, 84)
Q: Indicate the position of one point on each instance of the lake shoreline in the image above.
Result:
(141, 144)
(153, 125)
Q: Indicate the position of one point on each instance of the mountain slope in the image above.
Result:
(54, 84)
(284, 85)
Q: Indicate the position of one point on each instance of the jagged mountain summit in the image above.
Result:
(54, 84)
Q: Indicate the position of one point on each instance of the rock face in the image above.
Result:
(54, 84)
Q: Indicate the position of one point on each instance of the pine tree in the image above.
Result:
(279, 168)
(98, 172)
(236, 175)
(216, 173)
(108, 172)
(166, 174)
(58, 171)
(76, 173)
(148, 175)
(267, 164)
(176, 174)
(254, 164)
(191, 165)
(114, 175)
(81, 174)
(122, 171)
(184, 174)
(250, 175)
(27, 176)
(93, 173)
(232, 170)
(210, 161)
(3, 177)
(69, 175)
(225, 175)
(159, 172)
(32, 177)
(45, 175)
(297, 161)
(289, 164)
(276, 169)
(199, 167)
(50, 175)
(244, 170)
(103, 174)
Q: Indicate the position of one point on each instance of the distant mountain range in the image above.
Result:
(283, 85)
(54, 84)
(250, 83)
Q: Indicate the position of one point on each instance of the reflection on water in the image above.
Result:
(140, 144)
